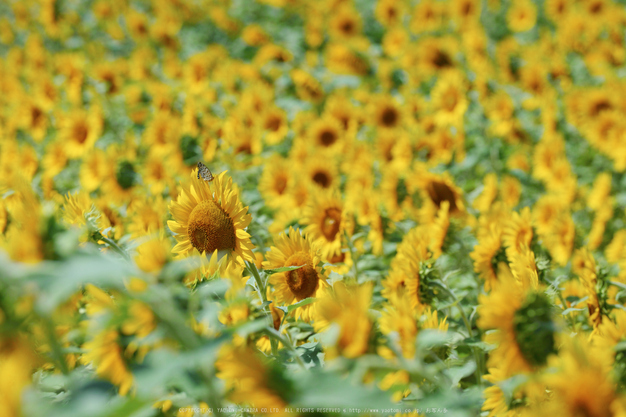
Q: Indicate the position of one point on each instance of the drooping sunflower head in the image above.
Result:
(525, 332)
(290, 287)
(210, 217)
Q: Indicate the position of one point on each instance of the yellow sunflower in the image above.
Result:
(250, 380)
(579, 384)
(322, 171)
(209, 220)
(523, 329)
(153, 254)
(449, 99)
(290, 287)
(386, 112)
(276, 182)
(326, 221)
(398, 317)
(389, 12)
(489, 242)
(79, 131)
(345, 24)
(404, 275)
(518, 232)
(105, 353)
(522, 16)
(346, 307)
(327, 133)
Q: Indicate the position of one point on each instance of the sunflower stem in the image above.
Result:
(618, 284)
(263, 295)
(114, 246)
(57, 351)
(477, 357)
(570, 319)
(352, 251)
(273, 334)
(259, 282)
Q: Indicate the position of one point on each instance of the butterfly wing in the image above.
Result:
(204, 172)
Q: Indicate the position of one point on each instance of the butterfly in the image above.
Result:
(204, 172)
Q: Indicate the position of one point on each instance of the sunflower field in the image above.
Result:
(312, 207)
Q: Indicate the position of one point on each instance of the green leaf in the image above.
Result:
(429, 338)
(620, 346)
(508, 386)
(250, 327)
(282, 308)
(457, 373)
(60, 280)
(569, 310)
(302, 303)
(476, 342)
(329, 390)
(282, 269)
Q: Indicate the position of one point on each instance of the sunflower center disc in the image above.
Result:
(210, 228)
(330, 223)
(302, 282)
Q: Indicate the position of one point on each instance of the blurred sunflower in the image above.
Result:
(522, 15)
(326, 222)
(276, 182)
(525, 333)
(404, 274)
(274, 123)
(484, 253)
(321, 171)
(436, 189)
(449, 99)
(399, 318)
(249, 380)
(209, 220)
(518, 232)
(386, 113)
(427, 16)
(389, 12)
(579, 384)
(344, 24)
(106, 354)
(327, 133)
(153, 254)
(79, 131)
(348, 308)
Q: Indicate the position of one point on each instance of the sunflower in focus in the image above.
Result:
(290, 287)
(210, 221)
